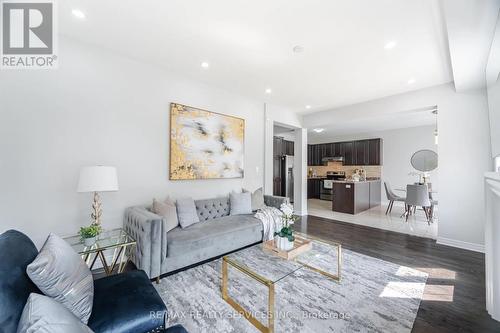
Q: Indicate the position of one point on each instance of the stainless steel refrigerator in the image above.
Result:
(287, 171)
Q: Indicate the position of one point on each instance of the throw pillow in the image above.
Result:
(241, 203)
(168, 210)
(59, 272)
(257, 199)
(186, 212)
(44, 315)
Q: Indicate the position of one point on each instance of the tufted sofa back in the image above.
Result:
(209, 209)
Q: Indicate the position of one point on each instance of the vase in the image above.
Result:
(283, 243)
(89, 241)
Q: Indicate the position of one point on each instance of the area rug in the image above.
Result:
(373, 296)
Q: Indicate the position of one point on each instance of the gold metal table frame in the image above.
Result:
(270, 285)
(117, 240)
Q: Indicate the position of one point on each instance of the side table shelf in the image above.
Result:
(117, 240)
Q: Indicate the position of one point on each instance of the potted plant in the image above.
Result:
(89, 234)
(285, 238)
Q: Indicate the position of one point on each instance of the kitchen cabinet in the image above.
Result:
(313, 188)
(355, 197)
(349, 157)
(282, 147)
(375, 152)
(360, 152)
(278, 149)
(289, 147)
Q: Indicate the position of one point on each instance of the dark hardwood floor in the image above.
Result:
(459, 271)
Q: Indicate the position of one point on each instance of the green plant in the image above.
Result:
(91, 231)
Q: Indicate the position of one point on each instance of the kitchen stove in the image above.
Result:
(326, 192)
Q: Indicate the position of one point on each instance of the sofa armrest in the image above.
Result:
(275, 201)
(148, 231)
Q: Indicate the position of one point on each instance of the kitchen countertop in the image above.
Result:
(353, 182)
(348, 180)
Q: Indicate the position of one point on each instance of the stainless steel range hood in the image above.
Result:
(325, 160)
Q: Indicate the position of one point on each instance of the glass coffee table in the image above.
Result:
(116, 240)
(266, 268)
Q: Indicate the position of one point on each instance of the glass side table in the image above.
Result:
(116, 240)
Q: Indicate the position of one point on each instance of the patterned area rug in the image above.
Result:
(373, 296)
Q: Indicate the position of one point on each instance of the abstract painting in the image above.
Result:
(204, 144)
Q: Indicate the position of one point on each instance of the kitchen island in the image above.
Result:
(353, 197)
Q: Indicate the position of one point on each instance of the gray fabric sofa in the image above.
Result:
(159, 252)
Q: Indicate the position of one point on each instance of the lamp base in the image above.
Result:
(96, 210)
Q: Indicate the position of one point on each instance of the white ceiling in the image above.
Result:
(378, 122)
(248, 44)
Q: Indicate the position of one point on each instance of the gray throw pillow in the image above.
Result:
(42, 314)
(186, 212)
(167, 210)
(59, 272)
(257, 199)
(241, 203)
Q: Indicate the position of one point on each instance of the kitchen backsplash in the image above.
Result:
(371, 170)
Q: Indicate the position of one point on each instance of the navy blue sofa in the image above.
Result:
(124, 303)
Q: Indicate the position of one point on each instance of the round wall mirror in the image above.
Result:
(424, 160)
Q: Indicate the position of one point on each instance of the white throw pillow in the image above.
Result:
(43, 314)
(168, 210)
(257, 199)
(59, 272)
(186, 212)
(241, 203)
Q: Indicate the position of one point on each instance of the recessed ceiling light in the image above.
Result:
(308, 107)
(78, 13)
(411, 81)
(318, 130)
(390, 45)
(205, 64)
(268, 91)
(298, 49)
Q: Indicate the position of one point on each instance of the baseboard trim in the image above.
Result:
(460, 244)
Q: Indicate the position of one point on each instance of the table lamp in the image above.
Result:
(97, 179)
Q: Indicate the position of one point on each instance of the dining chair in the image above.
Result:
(391, 196)
(418, 196)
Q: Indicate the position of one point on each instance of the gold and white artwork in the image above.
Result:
(204, 144)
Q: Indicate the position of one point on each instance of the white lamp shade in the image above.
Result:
(98, 179)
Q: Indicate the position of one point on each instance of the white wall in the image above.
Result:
(276, 115)
(398, 148)
(100, 108)
(464, 153)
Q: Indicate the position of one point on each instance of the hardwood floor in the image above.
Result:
(459, 273)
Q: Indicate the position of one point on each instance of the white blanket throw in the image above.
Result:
(271, 221)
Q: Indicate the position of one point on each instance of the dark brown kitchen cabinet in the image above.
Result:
(349, 157)
(278, 149)
(289, 147)
(351, 198)
(282, 147)
(375, 152)
(361, 152)
(338, 149)
(313, 188)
